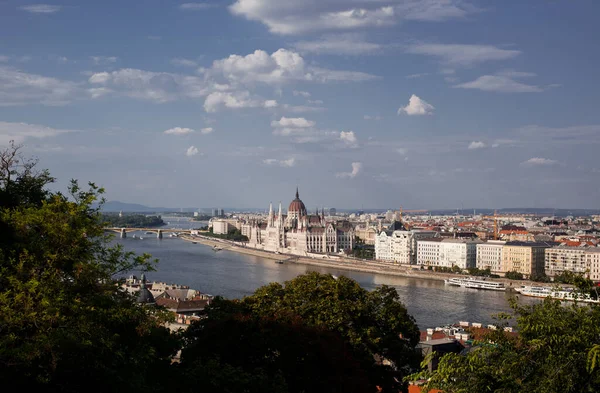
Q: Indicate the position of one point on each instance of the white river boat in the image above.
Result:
(475, 283)
(556, 293)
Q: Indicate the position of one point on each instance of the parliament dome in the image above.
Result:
(297, 207)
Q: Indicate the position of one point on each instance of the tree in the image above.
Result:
(556, 350)
(375, 324)
(514, 275)
(233, 351)
(64, 323)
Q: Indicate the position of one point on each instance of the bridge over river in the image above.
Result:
(159, 231)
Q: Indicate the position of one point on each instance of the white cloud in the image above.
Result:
(270, 104)
(356, 168)
(19, 132)
(191, 151)
(349, 138)
(179, 131)
(207, 130)
(463, 55)
(301, 108)
(41, 8)
(369, 117)
(416, 106)
(290, 162)
(195, 6)
(20, 88)
(344, 44)
(282, 66)
(153, 86)
(292, 122)
(477, 145)
(304, 94)
(315, 102)
(415, 76)
(233, 100)
(103, 60)
(184, 62)
(539, 161)
(402, 151)
(296, 17)
(97, 92)
(500, 84)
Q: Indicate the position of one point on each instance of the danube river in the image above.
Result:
(234, 275)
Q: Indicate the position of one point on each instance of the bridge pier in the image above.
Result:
(159, 234)
(123, 233)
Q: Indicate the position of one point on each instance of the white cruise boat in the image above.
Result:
(471, 282)
(557, 293)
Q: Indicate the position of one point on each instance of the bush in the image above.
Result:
(514, 275)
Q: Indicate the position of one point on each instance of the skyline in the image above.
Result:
(431, 104)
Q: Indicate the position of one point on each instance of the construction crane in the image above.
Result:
(495, 217)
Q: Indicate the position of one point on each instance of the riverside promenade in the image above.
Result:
(342, 263)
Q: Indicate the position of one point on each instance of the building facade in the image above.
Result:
(489, 255)
(527, 258)
(400, 246)
(563, 258)
(592, 258)
(447, 252)
(300, 233)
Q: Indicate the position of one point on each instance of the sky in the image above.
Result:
(429, 104)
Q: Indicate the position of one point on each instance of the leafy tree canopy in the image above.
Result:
(557, 349)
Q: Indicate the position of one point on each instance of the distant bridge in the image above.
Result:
(159, 231)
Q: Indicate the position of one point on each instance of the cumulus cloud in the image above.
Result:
(21, 88)
(179, 131)
(234, 100)
(294, 17)
(356, 168)
(270, 104)
(191, 151)
(463, 55)
(477, 145)
(103, 60)
(41, 8)
(416, 107)
(500, 84)
(344, 44)
(96, 92)
(349, 138)
(292, 122)
(290, 162)
(539, 161)
(280, 67)
(207, 130)
(19, 132)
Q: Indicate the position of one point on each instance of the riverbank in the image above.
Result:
(342, 263)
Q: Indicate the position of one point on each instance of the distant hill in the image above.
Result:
(116, 206)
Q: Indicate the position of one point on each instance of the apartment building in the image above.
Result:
(400, 246)
(564, 258)
(489, 255)
(526, 258)
(447, 252)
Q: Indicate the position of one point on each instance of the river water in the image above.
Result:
(234, 275)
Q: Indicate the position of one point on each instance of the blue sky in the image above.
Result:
(374, 103)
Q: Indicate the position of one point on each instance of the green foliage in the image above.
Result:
(233, 234)
(370, 322)
(556, 350)
(65, 325)
(473, 271)
(132, 221)
(539, 277)
(513, 275)
(245, 352)
(363, 251)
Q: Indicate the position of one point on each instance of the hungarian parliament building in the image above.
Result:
(300, 233)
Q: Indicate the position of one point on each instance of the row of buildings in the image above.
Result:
(530, 258)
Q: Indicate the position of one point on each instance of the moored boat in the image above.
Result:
(471, 282)
(556, 293)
